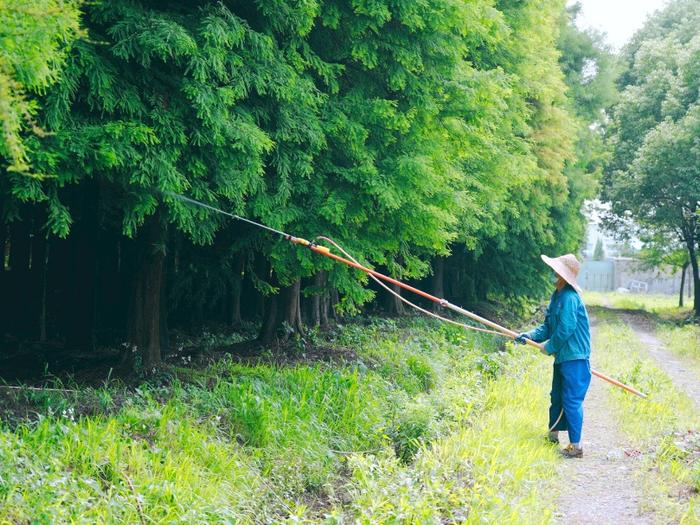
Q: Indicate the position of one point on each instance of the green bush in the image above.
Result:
(412, 429)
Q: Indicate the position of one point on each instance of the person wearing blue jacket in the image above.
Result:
(566, 334)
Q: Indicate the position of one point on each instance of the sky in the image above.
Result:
(619, 19)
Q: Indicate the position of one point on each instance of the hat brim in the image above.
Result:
(562, 271)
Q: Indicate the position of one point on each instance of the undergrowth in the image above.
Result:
(426, 424)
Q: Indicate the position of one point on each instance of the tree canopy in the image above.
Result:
(436, 136)
(654, 175)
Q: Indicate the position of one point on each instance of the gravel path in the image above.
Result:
(600, 488)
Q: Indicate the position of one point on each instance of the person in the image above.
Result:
(566, 331)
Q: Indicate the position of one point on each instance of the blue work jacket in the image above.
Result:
(565, 327)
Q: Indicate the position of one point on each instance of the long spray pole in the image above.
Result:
(446, 304)
(323, 250)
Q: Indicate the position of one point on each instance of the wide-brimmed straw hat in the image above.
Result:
(566, 266)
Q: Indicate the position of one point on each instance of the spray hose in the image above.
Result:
(381, 279)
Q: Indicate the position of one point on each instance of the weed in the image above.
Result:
(421, 427)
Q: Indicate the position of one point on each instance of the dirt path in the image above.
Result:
(600, 488)
(683, 376)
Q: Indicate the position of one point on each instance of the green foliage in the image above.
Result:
(660, 250)
(35, 36)
(167, 107)
(531, 159)
(589, 67)
(653, 178)
(412, 429)
(405, 130)
(682, 340)
(475, 473)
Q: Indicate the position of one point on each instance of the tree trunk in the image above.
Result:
(268, 329)
(236, 288)
(44, 292)
(79, 330)
(292, 313)
(3, 273)
(689, 287)
(696, 286)
(396, 306)
(680, 296)
(332, 301)
(18, 286)
(144, 323)
(696, 274)
(438, 280)
(236, 304)
(316, 305)
(163, 312)
(316, 299)
(324, 303)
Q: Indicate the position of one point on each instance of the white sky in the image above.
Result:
(619, 19)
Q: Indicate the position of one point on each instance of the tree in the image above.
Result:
(179, 99)
(406, 130)
(663, 249)
(599, 252)
(589, 68)
(540, 156)
(654, 176)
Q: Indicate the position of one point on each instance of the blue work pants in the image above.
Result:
(569, 386)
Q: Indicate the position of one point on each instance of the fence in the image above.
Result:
(625, 272)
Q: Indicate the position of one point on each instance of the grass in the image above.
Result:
(673, 325)
(425, 424)
(491, 467)
(684, 341)
(665, 306)
(666, 424)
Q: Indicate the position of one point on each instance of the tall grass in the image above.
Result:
(492, 467)
(428, 424)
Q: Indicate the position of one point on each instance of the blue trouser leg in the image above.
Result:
(555, 407)
(575, 378)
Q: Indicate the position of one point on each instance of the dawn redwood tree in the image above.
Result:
(187, 98)
(404, 129)
(524, 179)
(654, 175)
(384, 182)
(35, 38)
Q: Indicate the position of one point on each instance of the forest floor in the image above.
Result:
(379, 421)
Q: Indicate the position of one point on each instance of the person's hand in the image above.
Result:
(543, 350)
(522, 338)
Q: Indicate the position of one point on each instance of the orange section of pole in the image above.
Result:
(505, 331)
